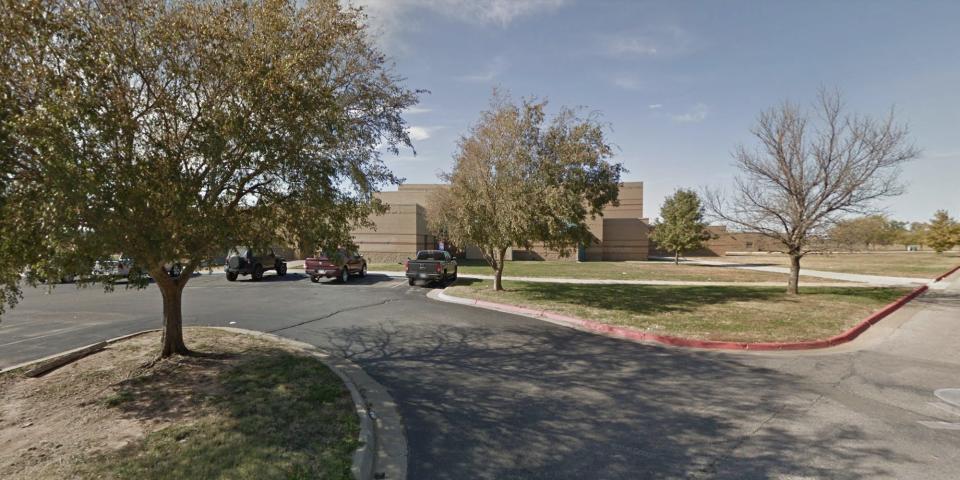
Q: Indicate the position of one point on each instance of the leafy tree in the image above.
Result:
(681, 227)
(915, 234)
(173, 130)
(896, 232)
(870, 230)
(518, 179)
(803, 177)
(943, 232)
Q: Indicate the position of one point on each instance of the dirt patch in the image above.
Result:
(109, 416)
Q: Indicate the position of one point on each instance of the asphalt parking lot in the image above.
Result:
(490, 395)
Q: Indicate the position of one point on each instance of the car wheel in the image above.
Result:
(411, 282)
(344, 274)
(454, 277)
(363, 271)
(257, 273)
(281, 269)
(315, 278)
(231, 276)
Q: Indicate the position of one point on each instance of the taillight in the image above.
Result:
(406, 265)
(439, 268)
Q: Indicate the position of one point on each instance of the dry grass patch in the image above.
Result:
(729, 313)
(897, 264)
(242, 408)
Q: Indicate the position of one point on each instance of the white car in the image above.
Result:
(119, 268)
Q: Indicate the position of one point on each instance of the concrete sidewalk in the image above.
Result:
(873, 280)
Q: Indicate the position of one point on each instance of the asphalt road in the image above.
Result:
(487, 395)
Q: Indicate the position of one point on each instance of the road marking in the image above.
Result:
(950, 398)
(949, 395)
(946, 408)
(941, 425)
(52, 334)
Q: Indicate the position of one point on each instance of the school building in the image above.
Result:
(622, 233)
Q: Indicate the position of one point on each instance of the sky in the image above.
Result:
(681, 83)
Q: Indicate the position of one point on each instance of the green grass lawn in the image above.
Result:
(244, 408)
(653, 270)
(899, 264)
(731, 313)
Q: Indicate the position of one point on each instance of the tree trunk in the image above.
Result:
(793, 284)
(676, 257)
(498, 277)
(172, 292)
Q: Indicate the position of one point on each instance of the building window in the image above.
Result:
(749, 244)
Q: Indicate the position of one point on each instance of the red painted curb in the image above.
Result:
(639, 335)
(945, 275)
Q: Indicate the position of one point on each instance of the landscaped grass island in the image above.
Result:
(722, 313)
(241, 408)
(652, 270)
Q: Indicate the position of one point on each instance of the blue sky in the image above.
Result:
(681, 83)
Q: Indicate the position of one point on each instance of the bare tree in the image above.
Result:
(808, 171)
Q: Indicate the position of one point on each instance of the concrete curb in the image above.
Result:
(641, 336)
(383, 454)
(67, 352)
(386, 273)
(947, 274)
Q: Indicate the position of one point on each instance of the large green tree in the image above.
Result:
(681, 227)
(942, 233)
(172, 130)
(519, 178)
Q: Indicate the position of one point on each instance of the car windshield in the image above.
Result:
(238, 252)
(430, 255)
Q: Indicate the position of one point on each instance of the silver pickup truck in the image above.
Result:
(431, 266)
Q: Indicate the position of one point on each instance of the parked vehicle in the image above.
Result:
(340, 265)
(244, 261)
(124, 267)
(431, 266)
(173, 269)
(119, 268)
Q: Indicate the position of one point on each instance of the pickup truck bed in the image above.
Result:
(431, 266)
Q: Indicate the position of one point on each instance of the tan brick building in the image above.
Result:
(402, 230)
(620, 234)
(725, 241)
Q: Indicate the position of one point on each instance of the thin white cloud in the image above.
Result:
(696, 114)
(419, 133)
(627, 82)
(417, 110)
(492, 70)
(400, 159)
(390, 19)
(661, 41)
(655, 106)
(620, 45)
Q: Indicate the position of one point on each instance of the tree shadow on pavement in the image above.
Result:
(517, 400)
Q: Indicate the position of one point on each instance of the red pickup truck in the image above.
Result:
(340, 265)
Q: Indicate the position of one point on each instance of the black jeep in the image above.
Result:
(244, 261)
